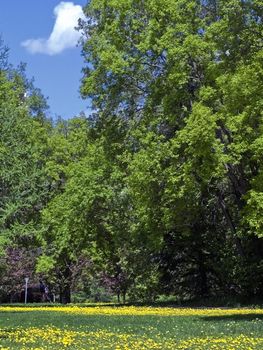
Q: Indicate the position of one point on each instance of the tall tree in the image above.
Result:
(186, 76)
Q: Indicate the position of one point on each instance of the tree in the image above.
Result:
(23, 185)
(186, 77)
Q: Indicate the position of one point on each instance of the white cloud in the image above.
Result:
(63, 36)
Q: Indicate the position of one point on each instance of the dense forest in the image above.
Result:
(160, 190)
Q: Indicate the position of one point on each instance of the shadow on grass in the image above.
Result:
(91, 305)
(198, 303)
(13, 312)
(226, 318)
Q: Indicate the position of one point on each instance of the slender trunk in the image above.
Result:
(239, 184)
(66, 295)
(65, 292)
(124, 297)
(202, 270)
(60, 294)
(236, 175)
(231, 224)
(204, 290)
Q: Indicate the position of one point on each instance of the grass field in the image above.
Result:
(135, 328)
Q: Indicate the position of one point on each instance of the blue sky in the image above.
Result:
(53, 60)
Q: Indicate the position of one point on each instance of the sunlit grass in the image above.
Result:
(105, 327)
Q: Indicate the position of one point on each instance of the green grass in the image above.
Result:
(129, 332)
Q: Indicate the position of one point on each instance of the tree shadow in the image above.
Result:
(13, 312)
(234, 317)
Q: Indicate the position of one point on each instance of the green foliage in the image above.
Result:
(160, 190)
(45, 264)
(187, 76)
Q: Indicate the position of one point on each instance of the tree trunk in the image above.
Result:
(66, 295)
(204, 290)
(64, 290)
(237, 241)
(201, 260)
(124, 297)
